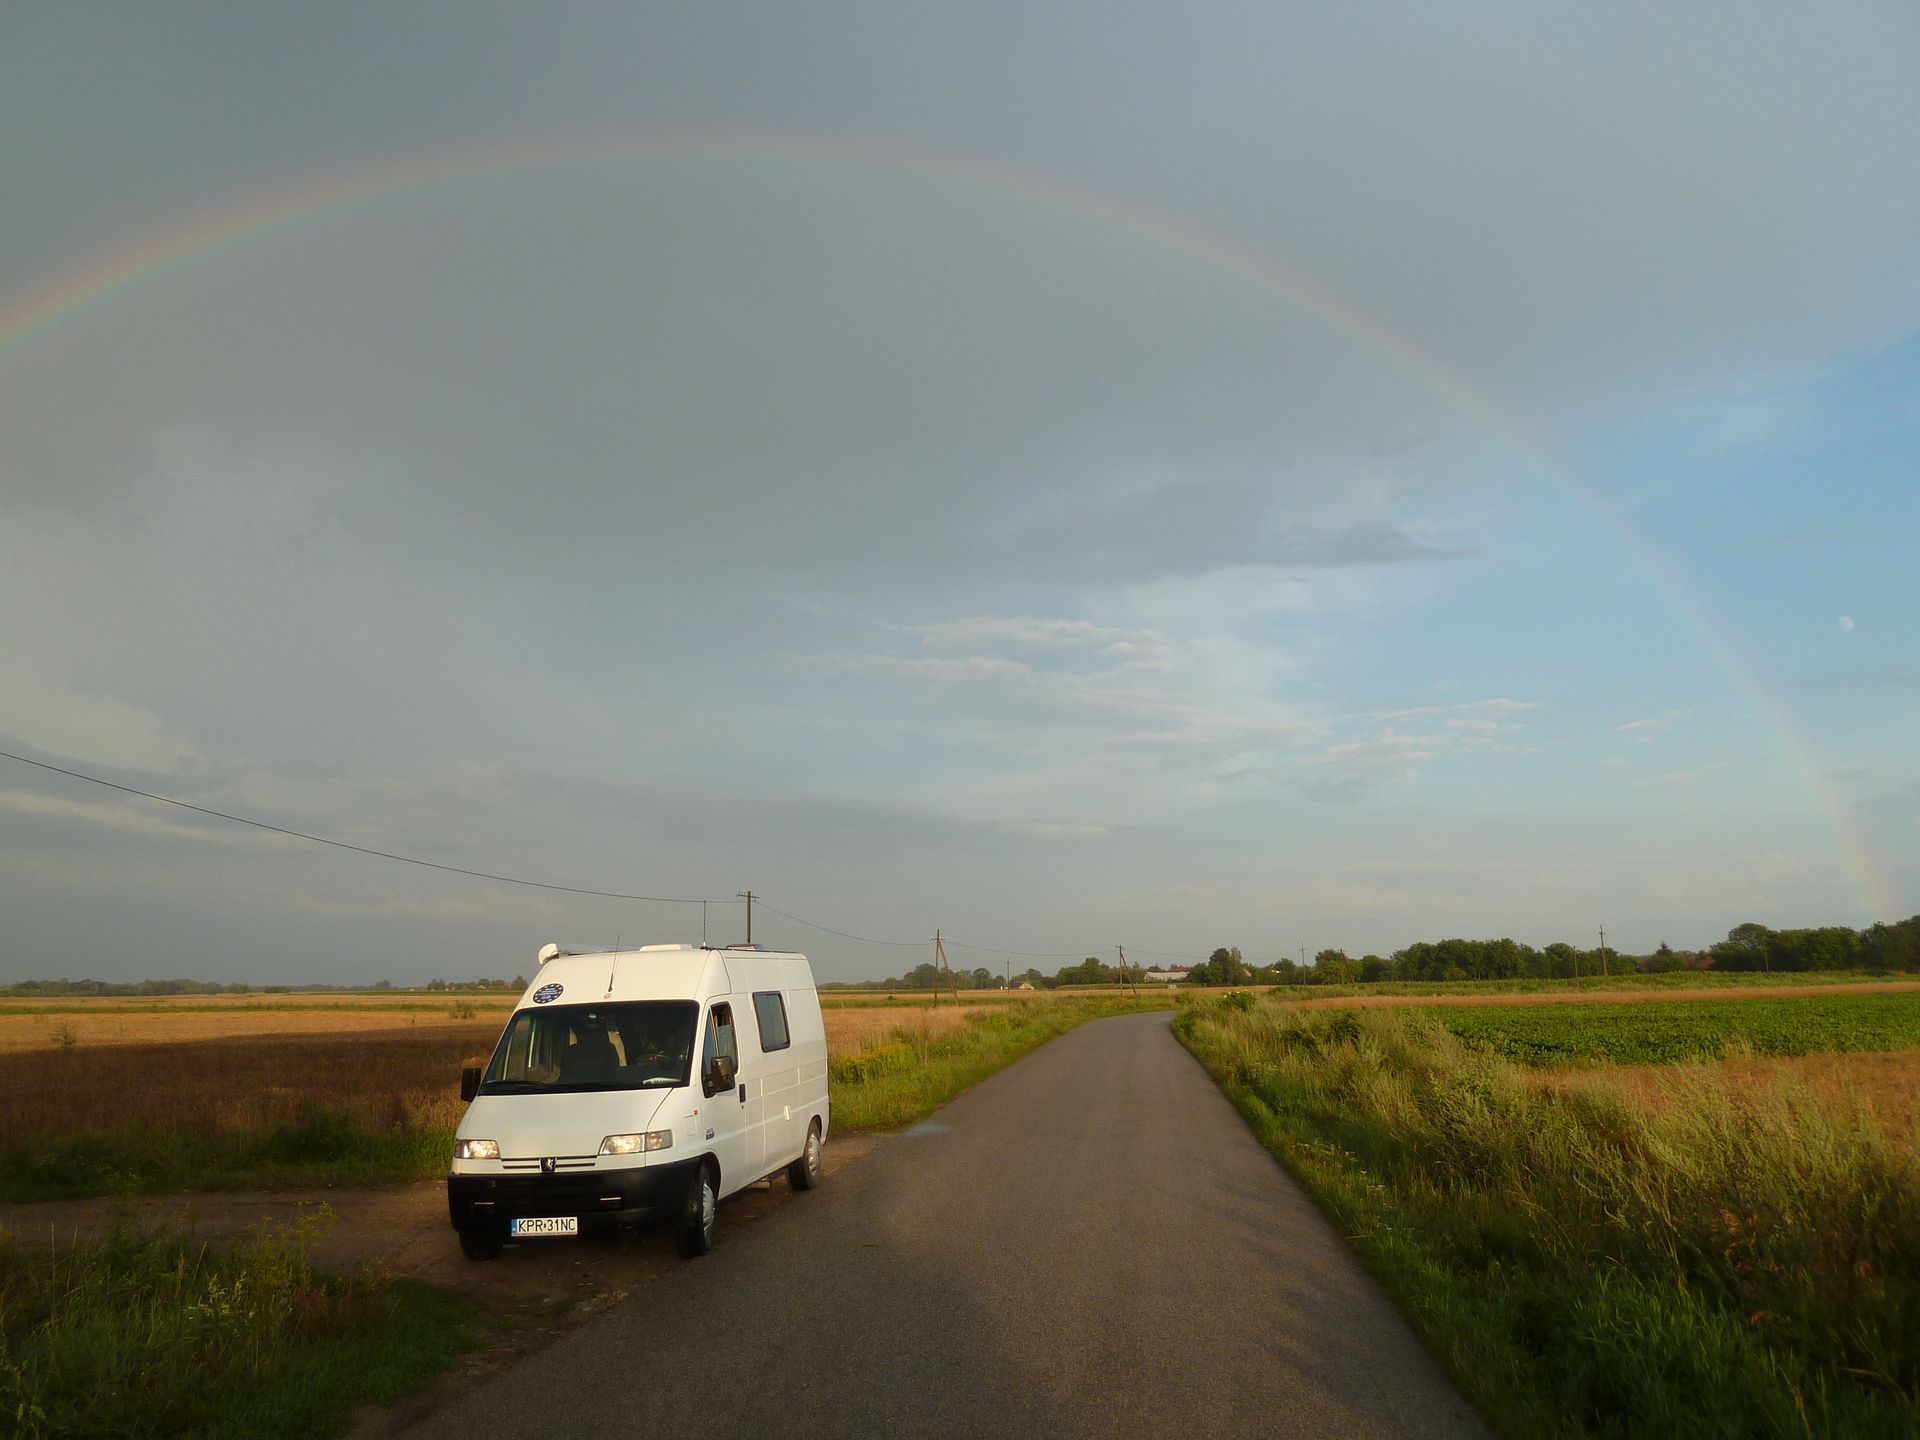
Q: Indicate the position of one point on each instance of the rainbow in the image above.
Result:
(208, 234)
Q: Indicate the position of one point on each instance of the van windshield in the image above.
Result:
(634, 1046)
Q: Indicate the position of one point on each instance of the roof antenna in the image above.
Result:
(613, 963)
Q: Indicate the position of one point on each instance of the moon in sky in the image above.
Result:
(1846, 622)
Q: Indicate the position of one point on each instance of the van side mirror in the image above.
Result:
(722, 1073)
(469, 1082)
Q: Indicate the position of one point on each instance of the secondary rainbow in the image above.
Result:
(208, 234)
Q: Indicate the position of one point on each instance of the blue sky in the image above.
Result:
(922, 501)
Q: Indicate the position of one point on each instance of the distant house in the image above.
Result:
(1171, 976)
(1024, 985)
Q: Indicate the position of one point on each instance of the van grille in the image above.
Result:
(560, 1163)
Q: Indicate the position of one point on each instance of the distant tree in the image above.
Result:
(1373, 969)
(436, 983)
(519, 982)
(1334, 968)
(1747, 947)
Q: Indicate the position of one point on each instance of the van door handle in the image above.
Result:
(743, 1092)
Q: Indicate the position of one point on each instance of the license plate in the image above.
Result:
(546, 1225)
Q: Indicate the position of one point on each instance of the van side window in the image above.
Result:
(770, 1010)
(720, 1041)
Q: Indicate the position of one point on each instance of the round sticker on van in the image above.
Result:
(547, 993)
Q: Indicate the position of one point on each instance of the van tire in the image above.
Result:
(804, 1173)
(697, 1223)
(479, 1242)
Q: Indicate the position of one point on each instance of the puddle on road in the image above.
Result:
(926, 1127)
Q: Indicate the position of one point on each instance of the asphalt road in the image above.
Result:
(1089, 1243)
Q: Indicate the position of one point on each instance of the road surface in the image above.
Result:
(1088, 1243)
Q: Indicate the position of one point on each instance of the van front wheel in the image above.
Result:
(696, 1226)
(804, 1173)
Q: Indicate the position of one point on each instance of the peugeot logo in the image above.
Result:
(547, 1164)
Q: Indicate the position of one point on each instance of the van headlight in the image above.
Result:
(637, 1144)
(476, 1149)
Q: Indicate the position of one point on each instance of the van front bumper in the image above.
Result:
(646, 1192)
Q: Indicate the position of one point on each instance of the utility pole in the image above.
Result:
(1603, 952)
(747, 895)
(1126, 974)
(941, 966)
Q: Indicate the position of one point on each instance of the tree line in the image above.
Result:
(1880, 947)
(1894, 947)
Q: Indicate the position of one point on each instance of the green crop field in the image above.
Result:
(1664, 1032)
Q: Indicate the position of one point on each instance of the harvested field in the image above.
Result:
(378, 1078)
(91, 1025)
(152, 1025)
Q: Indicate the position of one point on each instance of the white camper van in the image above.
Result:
(637, 1085)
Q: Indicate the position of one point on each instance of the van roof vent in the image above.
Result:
(746, 947)
(644, 949)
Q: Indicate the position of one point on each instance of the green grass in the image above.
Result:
(142, 1333)
(1581, 1266)
(1665, 1032)
(326, 1148)
(908, 1078)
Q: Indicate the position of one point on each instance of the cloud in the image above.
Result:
(1196, 526)
(1846, 622)
(49, 715)
(141, 817)
(1026, 632)
(1315, 547)
(1654, 725)
(1064, 831)
(1383, 756)
(1672, 780)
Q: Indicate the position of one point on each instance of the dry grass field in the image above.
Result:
(234, 1067)
(378, 1077)
(1596, 996)
(1886, 1082)
(188, 1023)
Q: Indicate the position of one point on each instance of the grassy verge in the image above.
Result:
(916, 1071)
(142, 1333)
(1583, 1266)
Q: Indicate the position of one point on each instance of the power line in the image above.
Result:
(363, 849)
(761, 900)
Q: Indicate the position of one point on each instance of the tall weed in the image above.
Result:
(1584, 1265)
(143, 1333)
